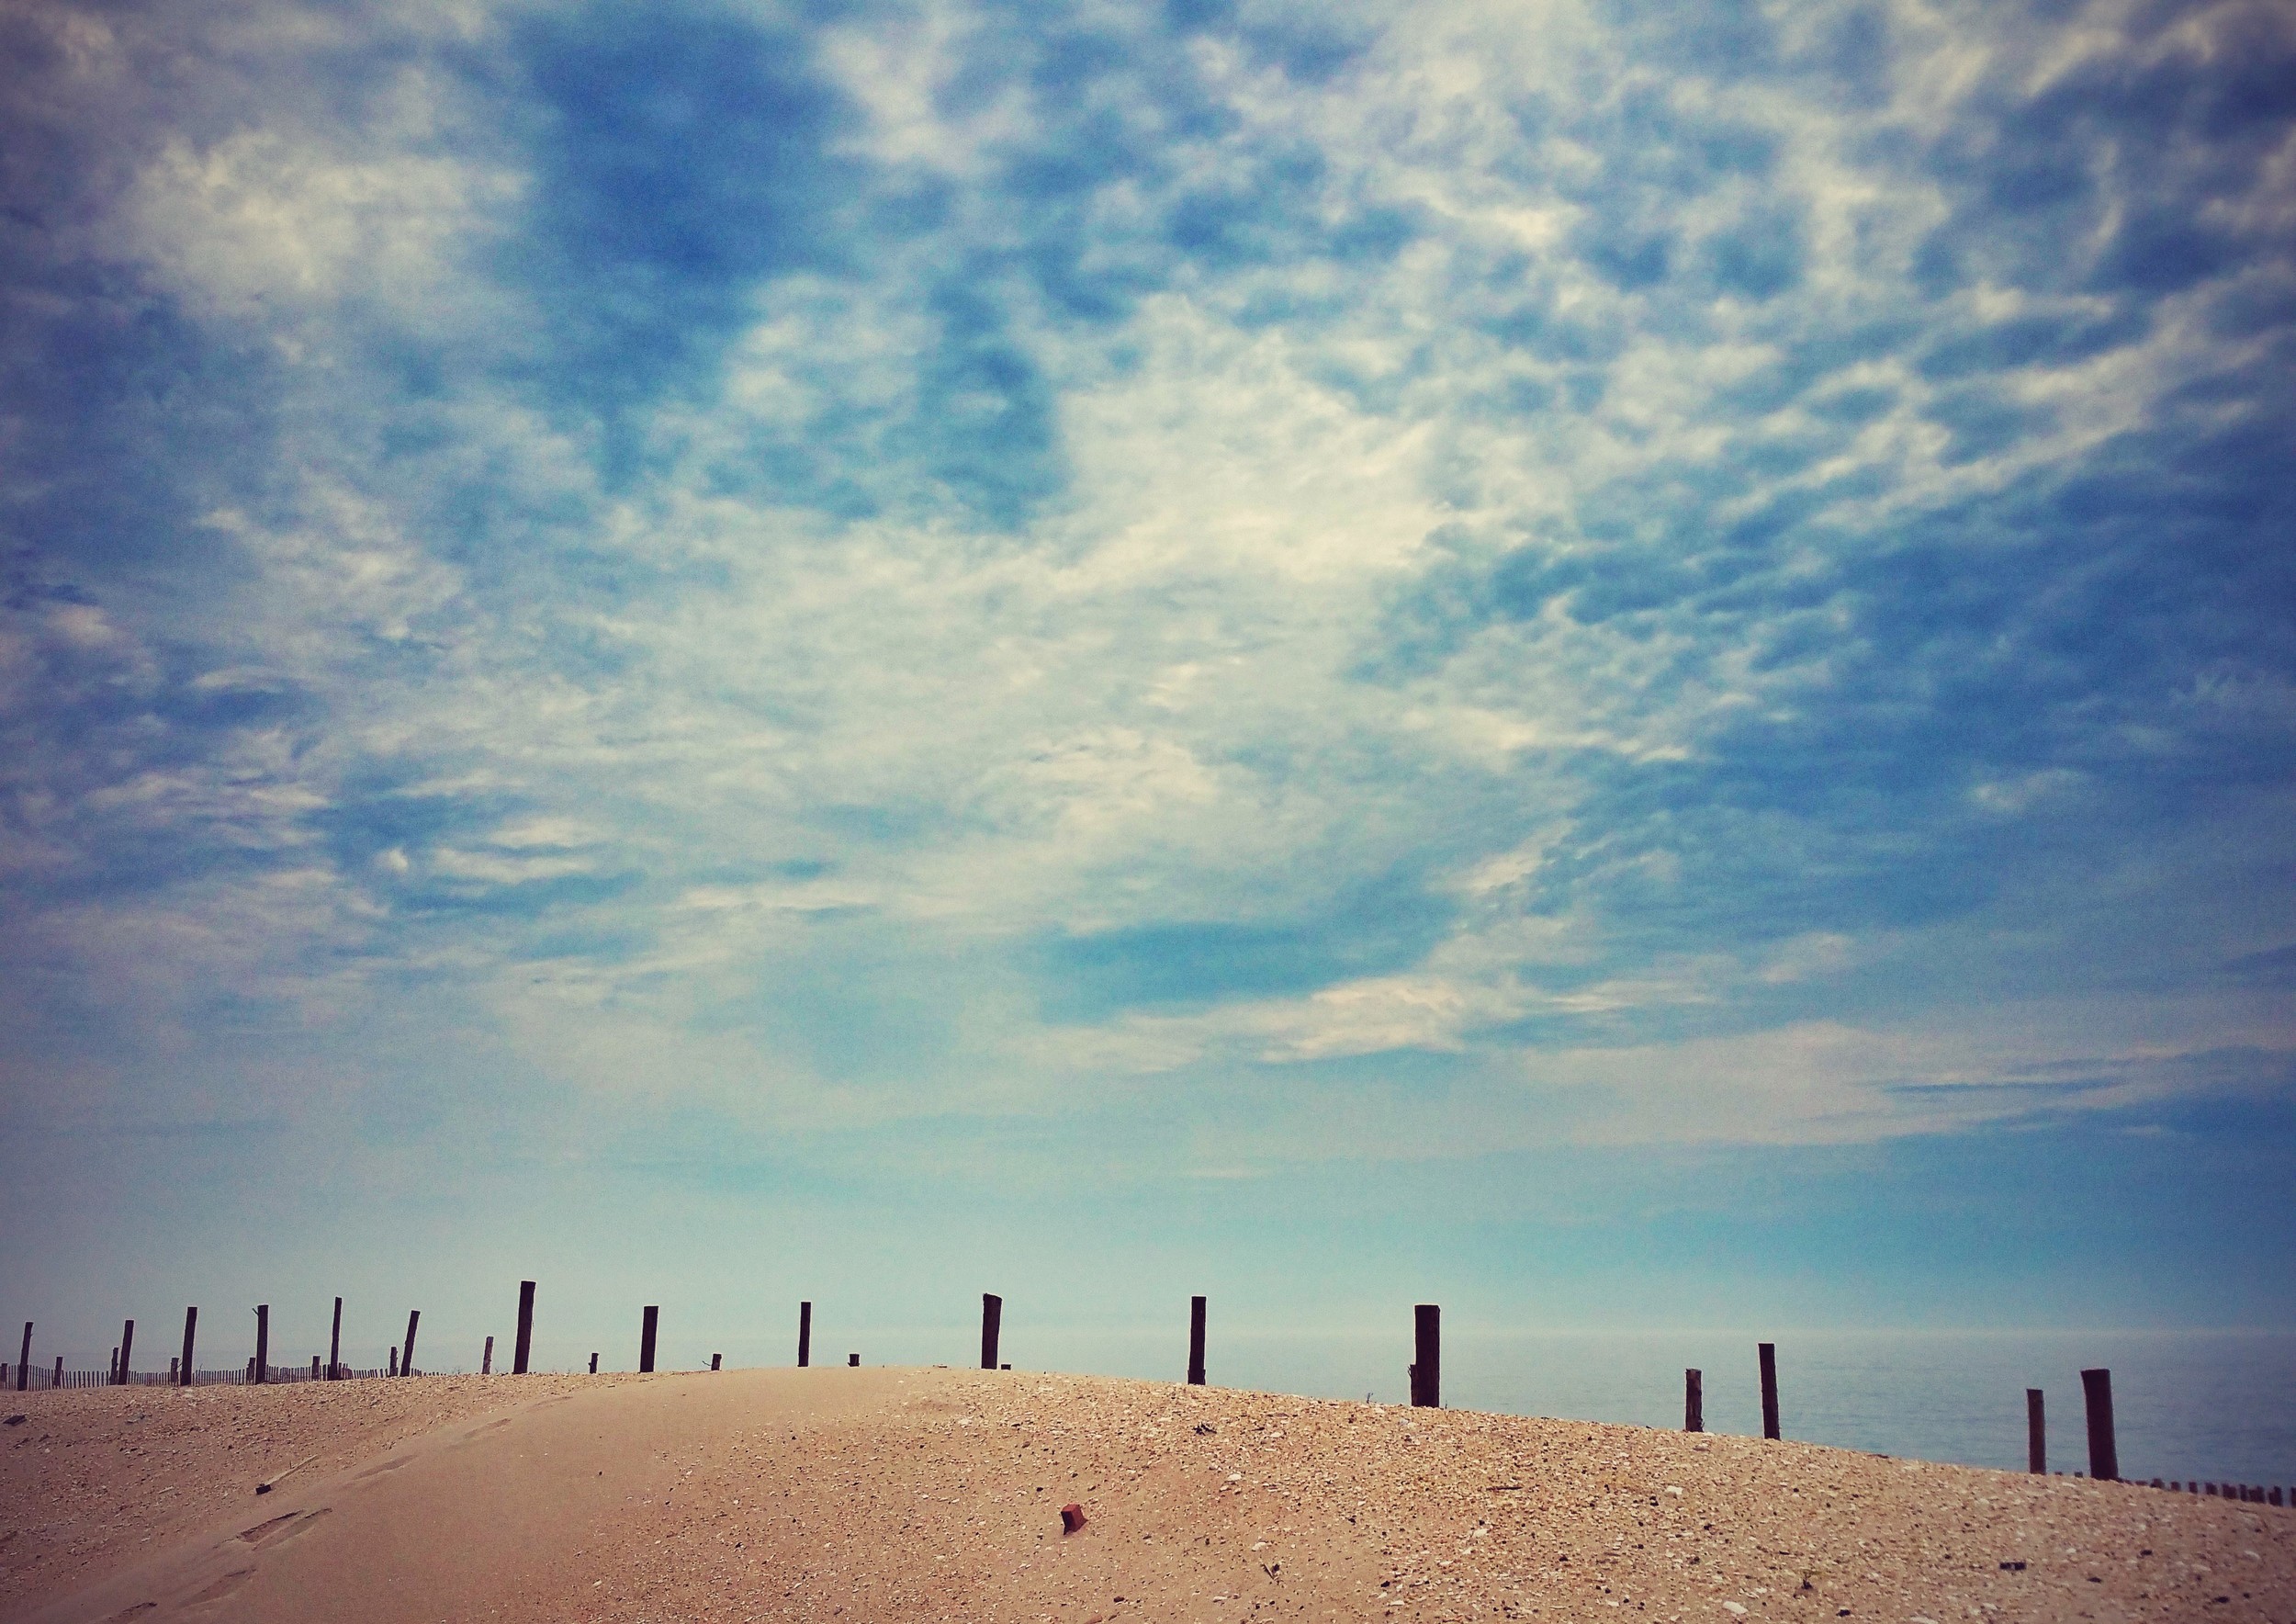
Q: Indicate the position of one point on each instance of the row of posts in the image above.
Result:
(259, 1368)
(1426, 1375)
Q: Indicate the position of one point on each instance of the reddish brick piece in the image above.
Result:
(1072, 1518)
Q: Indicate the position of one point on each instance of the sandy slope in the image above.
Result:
(894, 1495)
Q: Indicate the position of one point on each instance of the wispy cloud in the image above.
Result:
(1672, 563)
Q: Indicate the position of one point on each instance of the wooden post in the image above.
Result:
(804, 1335)
(24, 1360)
(1427, 1372)
(992, 1320)
(314, 1367)
(485, 1359)
(1693, 1401)
(1194, 1341)
(111, 1372)
(191, 1329)
(714, 1358)
(335, 1346)
(1768, 1354)
(2036, 1435)
(262, 1342)
(127, 1350)
(525, 1329)
(171, 1372)
(405, 1359)
(394, 1360)
(594, 1364)
(57, 1380)
(853, 1360)
(2104, 1461)
(646, 1340)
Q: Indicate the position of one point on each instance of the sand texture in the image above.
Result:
(865, 1495)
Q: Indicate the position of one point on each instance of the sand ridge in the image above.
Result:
(853, 1496)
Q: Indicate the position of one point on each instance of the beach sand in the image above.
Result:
(883, 1495)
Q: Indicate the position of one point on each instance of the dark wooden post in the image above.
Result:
(713, 1358)
(2036, 1435)
(646, 1340)
(335, 1346)
(804, 1335)
(992, 1318)
(24, 1360)
(111, 1374)
(393, 1354)
(853, 1360)
(314, 1367)
(485, 1359)
(526, 1327)
(171, 1372)
(405, 1359)
(594, 1364)
(191, 1331)
(262, 1342)
(1693, 1401)
(1426, 1372)
(1194, 1341)
(1768, 1353)
(2104, 1461)
(57, 1380)
(126, 1349)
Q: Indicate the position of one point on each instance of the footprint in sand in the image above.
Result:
(221, 1588)
(281, 1528)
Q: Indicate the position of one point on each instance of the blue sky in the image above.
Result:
(1626, 663)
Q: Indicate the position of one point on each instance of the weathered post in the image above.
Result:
(992, 1317)
(853, 1360)
(24, 1360)
(1194, 1341)
(485, 1359)
(1426, 1370)
(646, 1340)
(393, 1353)
(191, 1329)
(405, 1359)
(2104, 1461)
(1768, 1354)
(127, 1350)
(1693, 1401)
(2036, 1435)
(804, 1335)
(111, 1372)
(714, 1358)
(335, 1346)
(262, 1342)
(314, 1367)
(525, 1329)
(57, 1380)
(594, 1364)
(172, 1365)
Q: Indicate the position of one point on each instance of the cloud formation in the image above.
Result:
(1638, 571)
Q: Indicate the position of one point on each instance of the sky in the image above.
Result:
(1613, 664)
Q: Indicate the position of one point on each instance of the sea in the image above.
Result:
(2217, 1406)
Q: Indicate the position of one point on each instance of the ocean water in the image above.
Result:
(2216, 1405)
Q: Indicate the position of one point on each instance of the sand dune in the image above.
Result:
(862, 1495)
